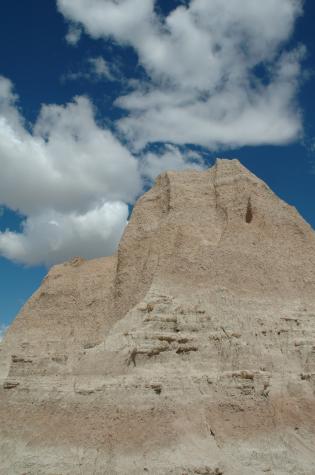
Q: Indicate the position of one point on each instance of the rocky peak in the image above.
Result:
(220, 227)
(191, 351)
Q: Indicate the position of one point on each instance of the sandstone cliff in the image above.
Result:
(191, 351)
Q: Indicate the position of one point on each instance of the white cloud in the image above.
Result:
(97, 69)
(70, 177)
(52, 237)
(101, 69)
(122, 19)
(69, 163)
(233, 117)
(9, 113)
(73, 35)
(202, 60)
(172, 158)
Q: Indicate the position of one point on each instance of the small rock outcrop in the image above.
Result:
(191, 351)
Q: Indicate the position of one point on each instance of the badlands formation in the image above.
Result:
(189, 352)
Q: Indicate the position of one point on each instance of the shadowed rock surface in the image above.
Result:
(191, 351)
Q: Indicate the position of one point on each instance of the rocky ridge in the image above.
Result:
(191, 351)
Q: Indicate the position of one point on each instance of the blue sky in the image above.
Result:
(97, 98)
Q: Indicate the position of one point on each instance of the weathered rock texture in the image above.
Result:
(190, 352)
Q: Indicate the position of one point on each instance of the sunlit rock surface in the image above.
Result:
(191, 351)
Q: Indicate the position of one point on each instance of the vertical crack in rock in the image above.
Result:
(249, 212)
(163, 182)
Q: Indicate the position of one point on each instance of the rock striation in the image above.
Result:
(191, 351)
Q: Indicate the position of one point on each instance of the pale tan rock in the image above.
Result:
(190, 352)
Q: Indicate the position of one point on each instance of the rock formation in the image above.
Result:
(191, 351)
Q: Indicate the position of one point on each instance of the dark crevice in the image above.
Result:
(249, 212)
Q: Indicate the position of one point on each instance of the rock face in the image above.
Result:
(191, 351)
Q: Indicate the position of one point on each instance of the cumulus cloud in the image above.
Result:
(216, 75)
(68, 163)
(122, 19)
(172, 158)
(71, 178)
(232, 117)
(52, 237)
